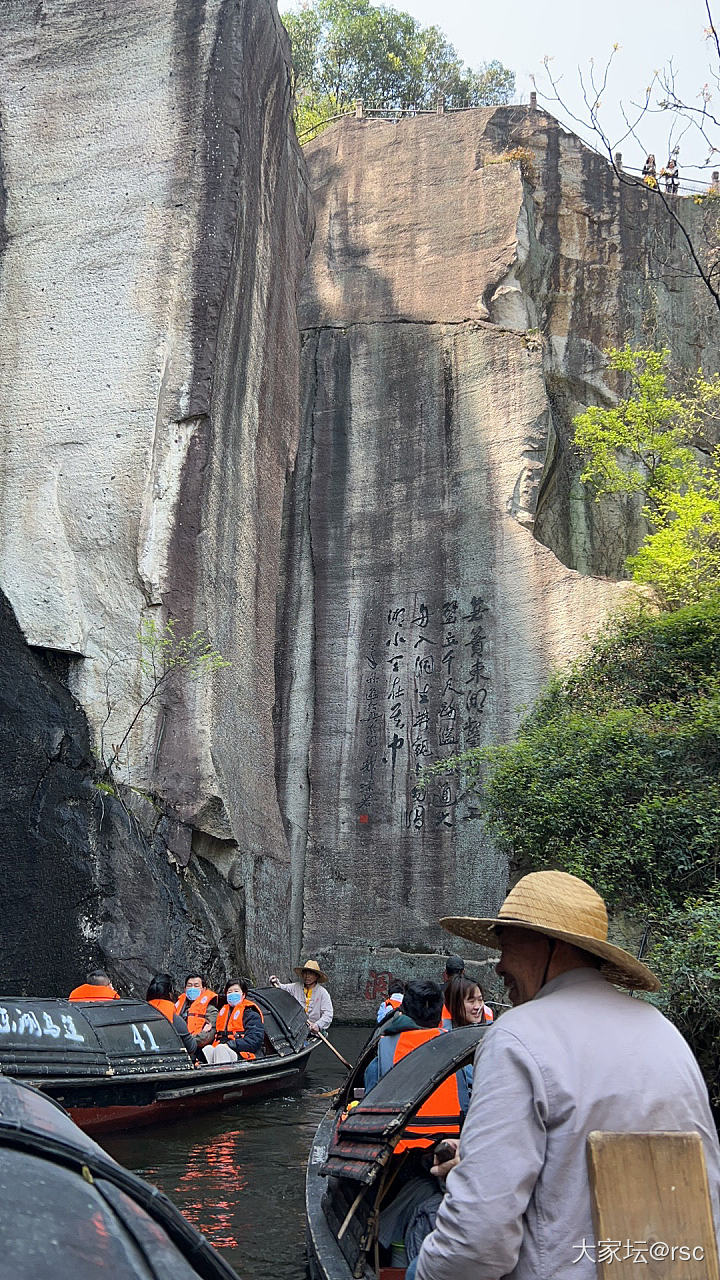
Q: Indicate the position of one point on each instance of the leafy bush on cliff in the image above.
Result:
(615, 774)
(649, 443)
(687, 961)
(615, 777)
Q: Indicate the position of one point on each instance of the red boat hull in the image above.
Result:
(114, 1119)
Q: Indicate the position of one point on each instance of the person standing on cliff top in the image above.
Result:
(314, 998)
(574, 1054)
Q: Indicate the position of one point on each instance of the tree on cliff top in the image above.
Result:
(344, 50)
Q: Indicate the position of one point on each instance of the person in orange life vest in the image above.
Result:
(417, 1021)
(161, 996)
(97, 986)
(309, 993)
(392, 1003)
(464, 999)
(465, 1003)
(198, 1005)
(453, 966)
(239, 1030)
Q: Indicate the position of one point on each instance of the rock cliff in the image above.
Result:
(466, 273)
(392, 560)
(153, 226)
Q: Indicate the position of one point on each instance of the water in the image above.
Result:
(238, 1174)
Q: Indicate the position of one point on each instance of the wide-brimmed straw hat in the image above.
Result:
(564, 907)
(314, 967)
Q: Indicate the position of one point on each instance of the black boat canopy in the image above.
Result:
(71, 1212)
(365, 1136)
(57, 1038)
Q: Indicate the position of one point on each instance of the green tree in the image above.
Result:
(646, 444)
(615, 773)
(163, 656)
(615, 777)
(686, 959)
(345, 50)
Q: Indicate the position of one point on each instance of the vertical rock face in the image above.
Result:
(154, 223)
(84, 876)
(454, 315)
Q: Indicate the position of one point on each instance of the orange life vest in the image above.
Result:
(230, 1020)
(197, 1012)
(88, 991)
(446, 1016)
(439, 1117)
(166, 1008)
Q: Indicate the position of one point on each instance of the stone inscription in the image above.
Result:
(424, 688)
(380, 985)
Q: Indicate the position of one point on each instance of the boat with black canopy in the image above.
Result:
(119, 1064)
(354, 1172)
(71, 1212)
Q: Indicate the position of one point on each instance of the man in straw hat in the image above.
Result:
(313, 996)
(573, 1055)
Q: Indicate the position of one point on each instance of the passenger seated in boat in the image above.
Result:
(310, 993)
(465, 1004)
(418, 1020)
(161, 996)
(239, 1030)
(197, 1005)
(454, 965)
(392, 1003)
(410, 1216)
(97, 986)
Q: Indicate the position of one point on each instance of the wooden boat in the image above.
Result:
(71, 1212)
(353, 1170)
(119, 1064)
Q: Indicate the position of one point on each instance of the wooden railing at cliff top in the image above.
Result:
(394, 114)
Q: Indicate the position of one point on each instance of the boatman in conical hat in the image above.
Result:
(311, 993)
(576, 1053)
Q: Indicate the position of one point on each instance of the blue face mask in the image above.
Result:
(234, 997)
(192, 993)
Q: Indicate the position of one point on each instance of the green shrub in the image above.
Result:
(687, 960)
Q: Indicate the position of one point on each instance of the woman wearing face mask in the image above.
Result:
(239, 1030)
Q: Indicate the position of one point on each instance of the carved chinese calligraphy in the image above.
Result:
(424, 689)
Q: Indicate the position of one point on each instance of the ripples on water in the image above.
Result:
(238, 1174)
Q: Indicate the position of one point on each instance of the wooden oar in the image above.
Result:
(332, 1049)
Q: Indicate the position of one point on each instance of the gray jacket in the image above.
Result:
(319, 1008)
(580, 1056)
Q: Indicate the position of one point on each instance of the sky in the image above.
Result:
(571, 33)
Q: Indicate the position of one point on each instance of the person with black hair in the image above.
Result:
(197, 1005)
(161, 996)
(465, 1004)
(97, 986)
(454, 965)
(416, 1022)
(239, 1030)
